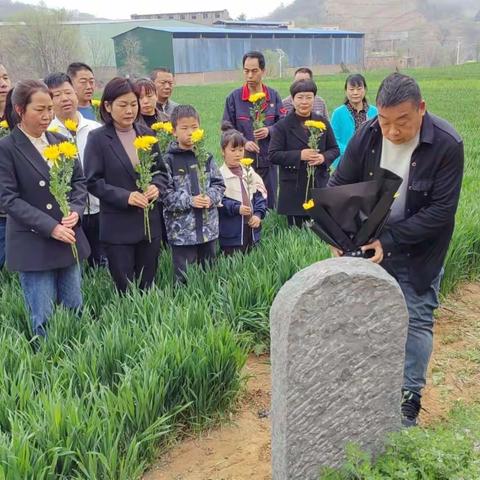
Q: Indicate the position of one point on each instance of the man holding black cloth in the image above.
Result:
(427, 153)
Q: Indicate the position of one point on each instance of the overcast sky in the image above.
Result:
(121, 9)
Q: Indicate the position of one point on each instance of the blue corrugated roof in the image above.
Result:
(251, 31)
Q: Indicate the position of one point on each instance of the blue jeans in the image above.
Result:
(418, 348)
(3, 228)
(42, 290)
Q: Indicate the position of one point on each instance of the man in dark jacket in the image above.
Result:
(428, 154)
(237, 112)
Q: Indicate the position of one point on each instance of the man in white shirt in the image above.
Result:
(65, 105)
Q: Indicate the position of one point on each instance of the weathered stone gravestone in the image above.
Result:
(338, 331)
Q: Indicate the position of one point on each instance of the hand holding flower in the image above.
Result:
(63, 234)
(152, 193)
(254, 222)
(138, 199)
(70, 220)
(245, 211)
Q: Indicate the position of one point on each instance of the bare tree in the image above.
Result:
(47, 43)
(133, 63)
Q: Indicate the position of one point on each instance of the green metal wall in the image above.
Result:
(156, 48)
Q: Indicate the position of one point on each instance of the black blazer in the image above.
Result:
(289, 138)
(111, 177)
(32, 212)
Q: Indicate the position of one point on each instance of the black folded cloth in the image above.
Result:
(350, 216)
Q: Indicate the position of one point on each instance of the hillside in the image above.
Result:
(9, 10)
(428, 31)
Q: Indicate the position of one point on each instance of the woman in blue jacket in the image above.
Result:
(348, 118)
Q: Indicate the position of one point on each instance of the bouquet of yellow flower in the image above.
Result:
(143, 145)
(316, 130)
(247, 163)
(61, 158)
(257, 110)
(4, 131)
(96, 108)
(164, 131)
(202, 155)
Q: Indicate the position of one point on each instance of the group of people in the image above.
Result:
(194, 205)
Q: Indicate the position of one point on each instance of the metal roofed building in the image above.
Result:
(203, 54)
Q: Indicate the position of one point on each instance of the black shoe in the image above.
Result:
(410, 407)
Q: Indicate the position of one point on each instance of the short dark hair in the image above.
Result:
(356, 80)
(183, 111)
(303, 86)
(145, 84)
(304, 70)
(21, 96)
(55, 80)
(115, 88)
(76, 67)
(232, 137)
(156, 71)
(398, 88)
(254, 54)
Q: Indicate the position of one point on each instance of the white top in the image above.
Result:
(40, 143)
(396, 158)
(85, 126)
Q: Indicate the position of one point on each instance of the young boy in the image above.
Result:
(191, 217)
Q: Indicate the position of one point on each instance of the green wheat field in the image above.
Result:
(105, 391)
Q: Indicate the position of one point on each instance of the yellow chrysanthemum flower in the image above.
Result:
(168, 127)
(96, 103)
(4, 124)
(246, 162)
(53, 129)
(71, 125)
(145, 142)
(52, 153)
(256, 97)
(165, 126)
(308, 205)
(68, 150)
(315, 124)
(198, 135)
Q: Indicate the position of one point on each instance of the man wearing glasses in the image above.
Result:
(163, 80)
(83, 82)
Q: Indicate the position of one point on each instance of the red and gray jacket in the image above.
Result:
(237, 112)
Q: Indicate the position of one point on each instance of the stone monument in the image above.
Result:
(338, 332)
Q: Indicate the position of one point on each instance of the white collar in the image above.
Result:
(35, 140)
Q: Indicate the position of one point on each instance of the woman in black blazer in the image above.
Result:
(289, 149)
(109, 167)
(39, 238)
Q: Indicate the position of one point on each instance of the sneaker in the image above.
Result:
(410, 407)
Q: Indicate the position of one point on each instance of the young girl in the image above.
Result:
(245, 199)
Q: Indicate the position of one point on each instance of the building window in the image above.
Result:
(217, 15)
(194, 17)
(205, 15)
(171, 17)
(182, 17)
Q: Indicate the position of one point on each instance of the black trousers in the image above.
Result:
(184, 255)
(133, 263)
(270, 179)
(91, 227)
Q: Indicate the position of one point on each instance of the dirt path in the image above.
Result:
(241, 450)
